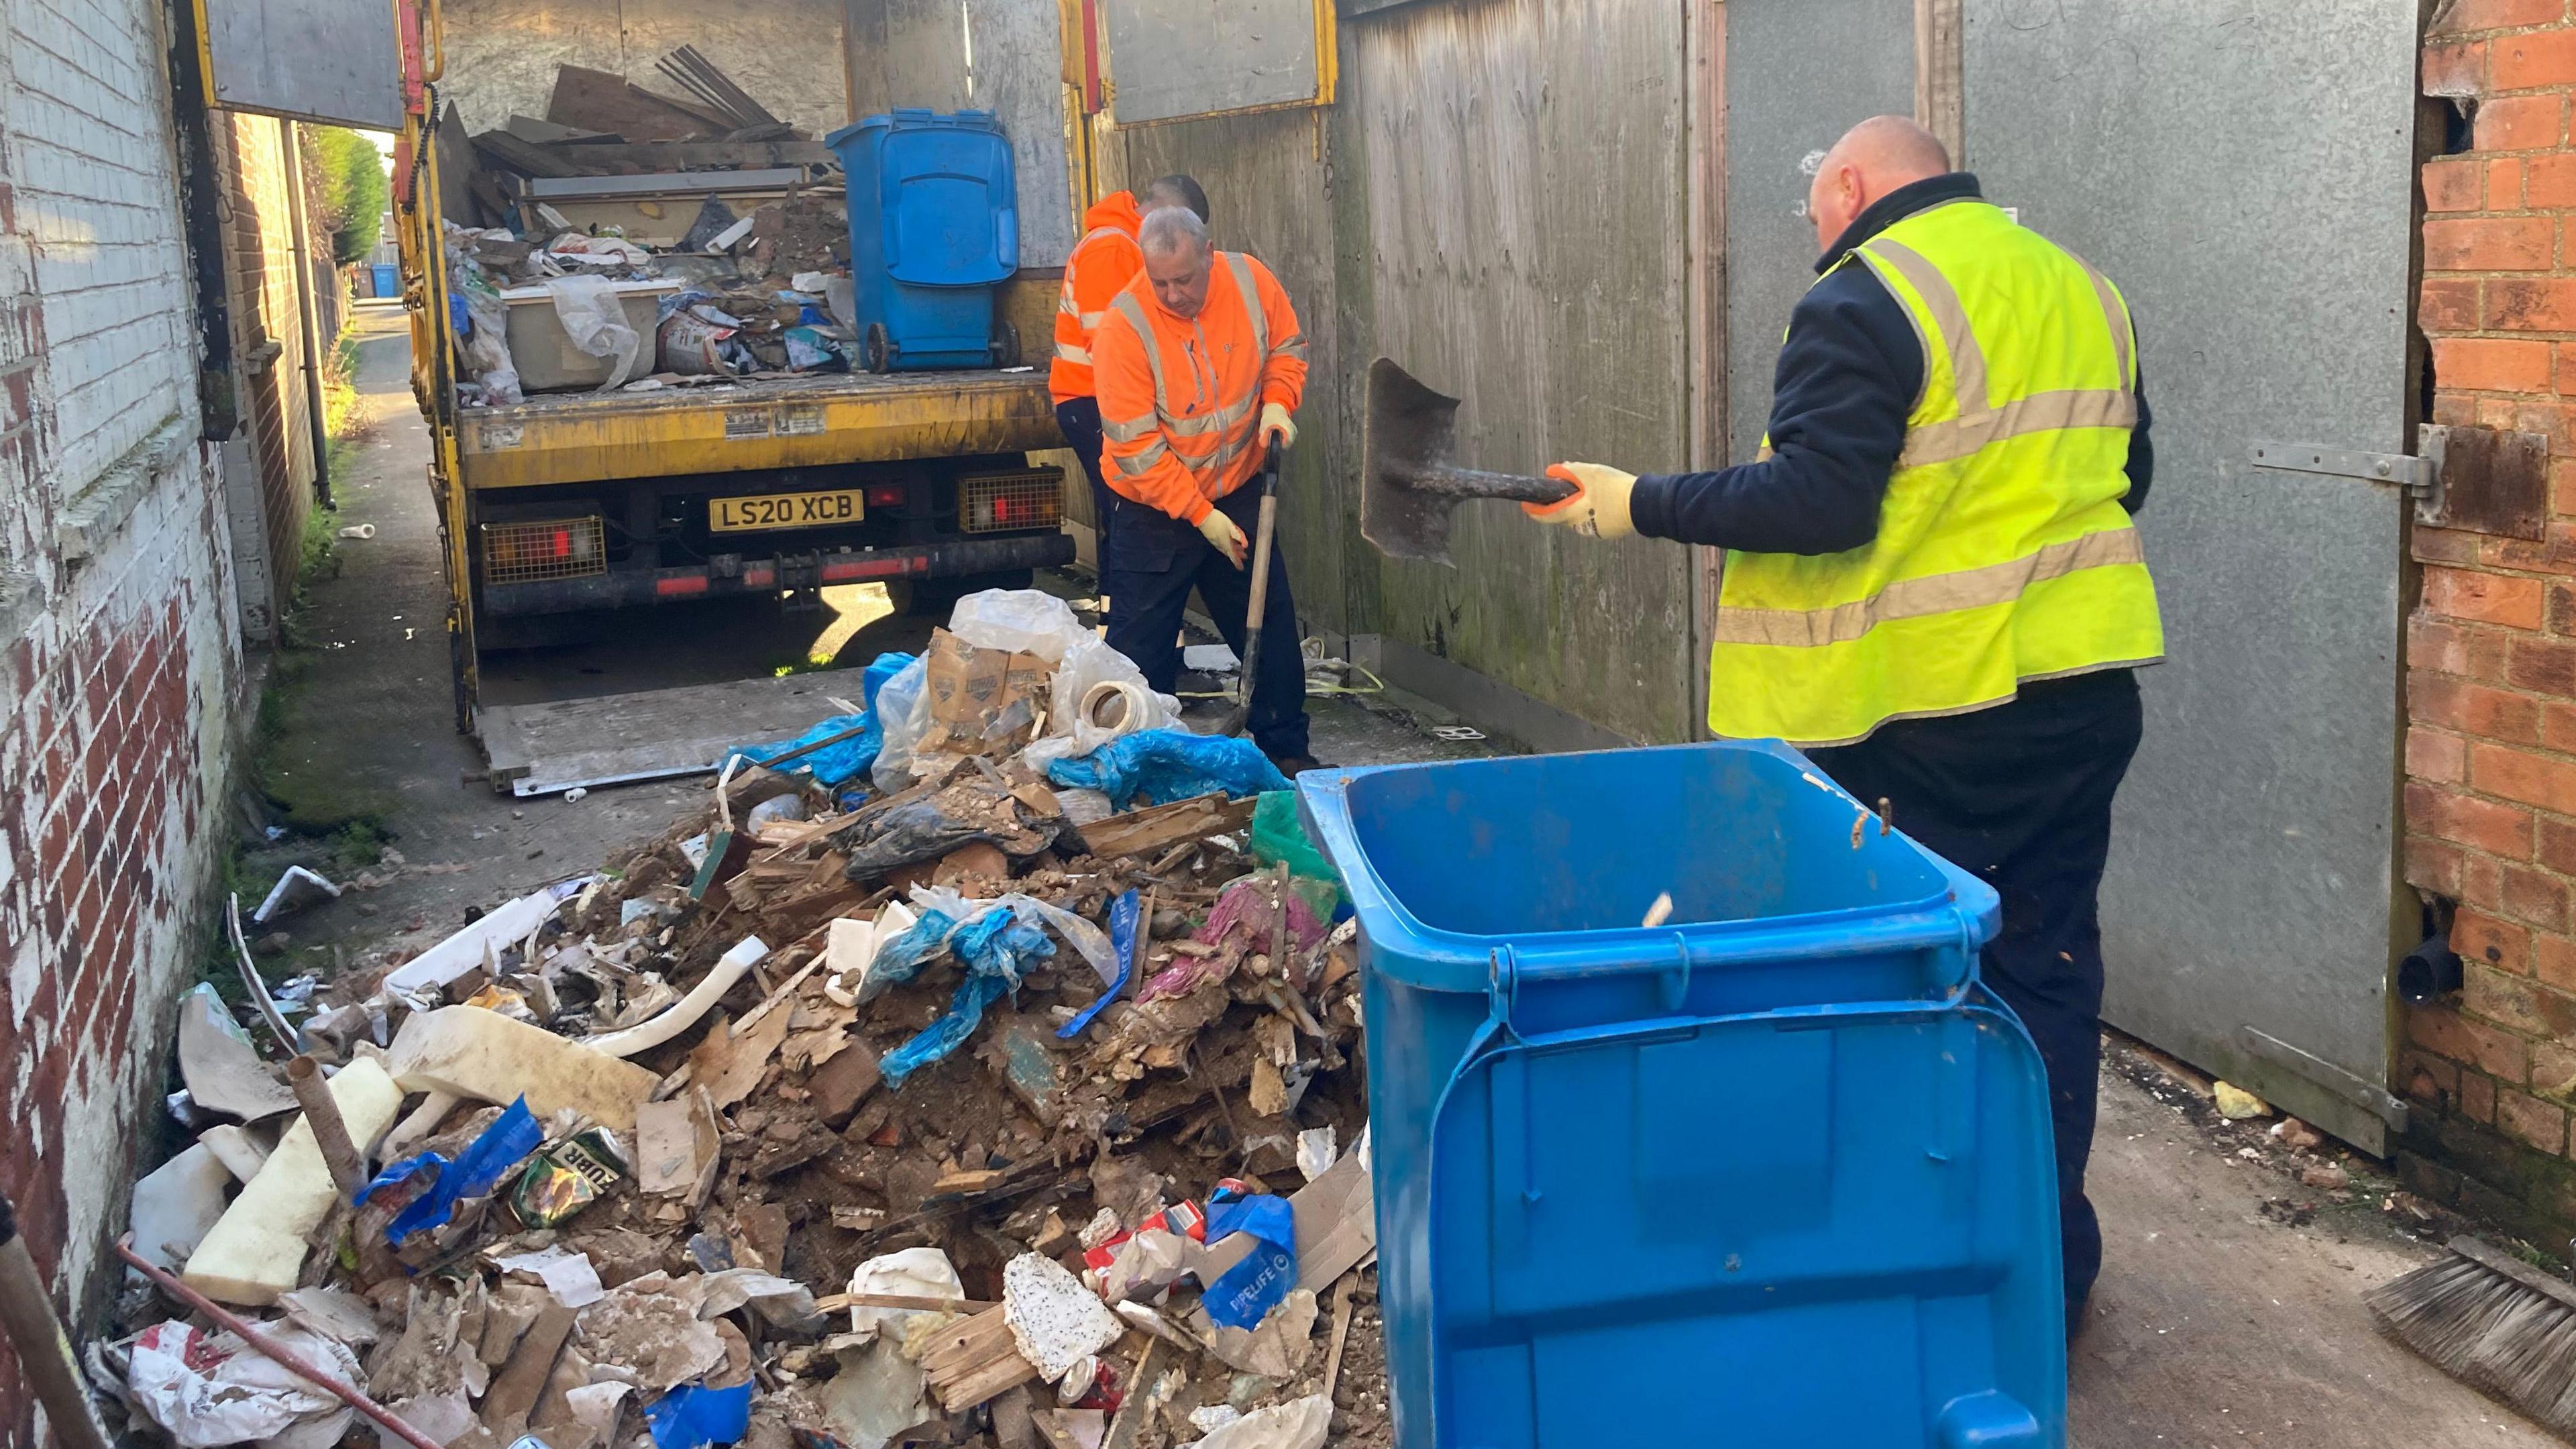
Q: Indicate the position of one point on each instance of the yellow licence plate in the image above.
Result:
(786, 510)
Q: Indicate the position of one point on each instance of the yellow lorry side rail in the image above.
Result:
(423, 248)
(791, 423)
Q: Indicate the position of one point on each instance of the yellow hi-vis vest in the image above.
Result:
(2003, 553)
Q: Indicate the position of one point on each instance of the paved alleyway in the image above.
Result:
(2215, 1324)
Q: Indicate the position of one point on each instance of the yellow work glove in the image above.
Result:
(1599, 507)
(1223, 536)
(1276, 427)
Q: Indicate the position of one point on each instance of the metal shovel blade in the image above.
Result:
(1408, 483)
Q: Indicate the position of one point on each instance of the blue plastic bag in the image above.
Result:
(997, 947)
(1123, 915)
(503, 1145)
(1170, 765)
(831, 765)
(693, 1415)
(884, 667)
(1244, 1294)
(902, 958)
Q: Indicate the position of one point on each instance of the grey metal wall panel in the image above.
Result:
(1523, 167)
(317, 60)
(502, 54)
(2245, 175)
(1799, 73)
(1003, 56)
(1174, 58)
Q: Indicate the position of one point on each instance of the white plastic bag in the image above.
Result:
(1023, 621)
(487, 351)
(594, 318)
(903, 713)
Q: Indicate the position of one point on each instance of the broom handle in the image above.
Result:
(44, 1354)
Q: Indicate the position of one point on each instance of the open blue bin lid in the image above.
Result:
(1559, 856)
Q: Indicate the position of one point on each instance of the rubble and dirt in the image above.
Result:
(913, 1107)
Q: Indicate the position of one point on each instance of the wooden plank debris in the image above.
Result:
(1141, 832)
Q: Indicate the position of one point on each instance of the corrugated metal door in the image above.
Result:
(2245, 173)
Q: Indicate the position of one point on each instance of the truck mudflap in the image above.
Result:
(735, 575)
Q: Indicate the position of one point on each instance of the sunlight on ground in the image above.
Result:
(851, 607)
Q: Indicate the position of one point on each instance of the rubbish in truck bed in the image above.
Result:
(654, 1147)
(710, 198)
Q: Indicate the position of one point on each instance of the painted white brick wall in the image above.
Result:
(93, 170)
(121, 674)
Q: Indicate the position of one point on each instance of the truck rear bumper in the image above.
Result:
(622, 588)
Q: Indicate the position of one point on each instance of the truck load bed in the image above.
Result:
(756, 423)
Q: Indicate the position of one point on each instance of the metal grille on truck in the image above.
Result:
(1000, 502)
(555, 548)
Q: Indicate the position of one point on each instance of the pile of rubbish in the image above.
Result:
(669, 240)
(981, 1066)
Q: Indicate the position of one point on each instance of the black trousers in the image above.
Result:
(1079, 418)
(1149, 561)
(2020, 795)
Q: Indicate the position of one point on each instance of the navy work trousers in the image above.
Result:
(2020, 796)
(1150, 560)
(1079, 419)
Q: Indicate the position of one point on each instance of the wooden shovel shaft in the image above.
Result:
(44, 1354)
(1453, 482)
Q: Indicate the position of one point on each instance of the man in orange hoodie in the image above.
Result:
(1103, 262)
(1201, 366)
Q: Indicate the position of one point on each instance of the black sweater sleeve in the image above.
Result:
(1848, 377)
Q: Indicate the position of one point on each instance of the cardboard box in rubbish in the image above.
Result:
(973, 692)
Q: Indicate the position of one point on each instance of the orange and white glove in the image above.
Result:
(1223, 536)
(1599, 507)
(1276, 426)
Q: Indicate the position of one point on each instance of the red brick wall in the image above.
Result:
(2491, 686)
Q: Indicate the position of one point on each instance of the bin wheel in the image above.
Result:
(1006, 345)
(876, 350)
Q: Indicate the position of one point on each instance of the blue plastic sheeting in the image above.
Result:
(835, 765)
(1857, 1245)
(503, 1145)
(1244, 1294)
(997, 948)
(884, 667)
(1123, 914)
(1170, 765)
(694, 1415)
(902, 958)
(831, 765)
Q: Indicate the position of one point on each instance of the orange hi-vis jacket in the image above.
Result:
(1105, 260)
(1181, 397)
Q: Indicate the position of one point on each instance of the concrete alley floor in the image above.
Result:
(2216, 1323)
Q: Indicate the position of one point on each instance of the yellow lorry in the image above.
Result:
(571, 502)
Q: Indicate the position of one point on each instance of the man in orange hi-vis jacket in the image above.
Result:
(1200, 366)
(1105, 260)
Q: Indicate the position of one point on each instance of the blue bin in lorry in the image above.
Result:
(1776, 1172)
(934, 229)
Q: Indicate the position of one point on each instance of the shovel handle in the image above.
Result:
(1451, 482)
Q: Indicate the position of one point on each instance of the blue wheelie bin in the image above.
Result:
(1776, 1172)
(934, 230)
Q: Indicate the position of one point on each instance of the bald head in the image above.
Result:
(1872, 159)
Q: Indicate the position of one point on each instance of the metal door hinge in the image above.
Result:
(2415, 475)
(2485, 480)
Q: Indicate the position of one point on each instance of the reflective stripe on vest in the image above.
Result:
(1183, 431)
(2003, 553)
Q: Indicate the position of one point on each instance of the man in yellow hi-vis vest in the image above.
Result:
(1932, 583)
